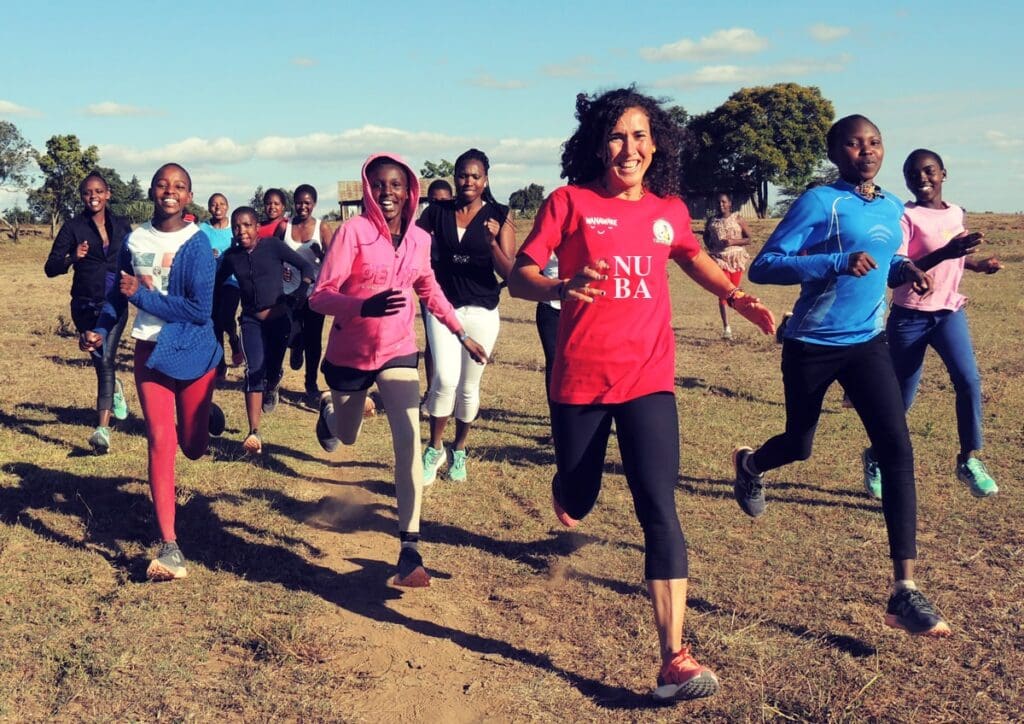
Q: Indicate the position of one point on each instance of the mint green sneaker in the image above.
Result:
(872, 475)
(975, 476)
(433, 460)
(457, 471)
(119, 408)
(100, 440)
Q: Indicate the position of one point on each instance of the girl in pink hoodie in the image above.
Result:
(373, 266)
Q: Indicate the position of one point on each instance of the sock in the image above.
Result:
(904, 585)
(409, 540)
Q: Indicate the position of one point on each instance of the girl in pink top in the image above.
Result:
(373, 266)
(936, 239)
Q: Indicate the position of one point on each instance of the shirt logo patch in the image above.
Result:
(663, 232)
(601, 224)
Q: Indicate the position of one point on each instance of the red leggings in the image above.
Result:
(734, 277)
(160, 396)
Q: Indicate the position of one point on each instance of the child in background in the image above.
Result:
(310, 237)
(935, 237)
(225, 296)
(167, 271)
(266, 313)
(274, 219)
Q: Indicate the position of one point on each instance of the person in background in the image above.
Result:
(225, 296)
(90, 244)
(439, 190)
(725, 236)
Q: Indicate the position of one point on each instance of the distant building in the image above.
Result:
(350, 196)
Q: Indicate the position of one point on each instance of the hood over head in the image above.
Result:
(371, 209)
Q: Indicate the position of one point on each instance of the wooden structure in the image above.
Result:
(350, 196)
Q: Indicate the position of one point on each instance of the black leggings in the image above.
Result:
(865, 371)
(308, 331)
(648, 432)
(85, 313)
(224, 309)
(264, 343)
(547, 328)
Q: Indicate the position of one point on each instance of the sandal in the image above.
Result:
(252, 443)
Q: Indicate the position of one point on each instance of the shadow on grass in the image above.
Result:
(698, 383)
(208, 539)
(696, 486)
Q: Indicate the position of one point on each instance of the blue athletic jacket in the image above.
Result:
(811, 247)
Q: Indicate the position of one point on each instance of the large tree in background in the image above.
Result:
(64, 165)
(759, 136)
(441, 169)
(15, 167)
(527, 199)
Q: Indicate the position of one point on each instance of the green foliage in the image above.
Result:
(768, 134)
(135, 211)
(442, 169)
(15, 156)
(826, 173)
(527, 199)
(64, 165)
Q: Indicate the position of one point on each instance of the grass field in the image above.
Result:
(287, 613)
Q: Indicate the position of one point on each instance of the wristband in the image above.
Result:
(733, 295)
(562, 289)
(462, 337)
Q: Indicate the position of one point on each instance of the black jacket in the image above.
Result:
(93, 271)
(260, 274)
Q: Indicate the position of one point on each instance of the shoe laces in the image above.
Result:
(975, 468)
(681, 667)
(913, 600)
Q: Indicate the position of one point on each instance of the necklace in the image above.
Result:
(869, 190)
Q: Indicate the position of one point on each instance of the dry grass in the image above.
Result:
(287, 613)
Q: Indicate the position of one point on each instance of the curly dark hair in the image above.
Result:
(598, 114)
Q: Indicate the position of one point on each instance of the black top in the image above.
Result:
(96, 271)
(260, 274)
(464, 269)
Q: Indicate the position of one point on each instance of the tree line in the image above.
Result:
(760, 137)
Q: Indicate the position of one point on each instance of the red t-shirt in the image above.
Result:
(621, 347)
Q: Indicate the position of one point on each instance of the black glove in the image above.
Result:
(383, 304)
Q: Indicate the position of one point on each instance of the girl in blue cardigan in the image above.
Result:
(167, 271)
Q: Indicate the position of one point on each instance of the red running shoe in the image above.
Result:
(682, 678)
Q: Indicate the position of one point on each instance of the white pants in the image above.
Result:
(455, 387)
(400, 392)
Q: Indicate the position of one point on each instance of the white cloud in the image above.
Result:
(1002, 141)
(572, 68)
(827, 33)
(719, 43)
(190, 150)
(9, 108)
(304, 62)
(752, 74)
(486, 80)
(109, 108)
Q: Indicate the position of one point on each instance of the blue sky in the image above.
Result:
(277, 94)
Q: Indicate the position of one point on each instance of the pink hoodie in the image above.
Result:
(360, 262)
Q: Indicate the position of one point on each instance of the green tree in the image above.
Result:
(826, 173)
(759, 136)
(527, 199)
(441, 169)
(64, 165)
(15, 166)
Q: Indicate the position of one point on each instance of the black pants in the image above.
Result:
(648, 432)
(225, 306)
(85, 313)
(308, 332)
(865, 371)
(547, 329)
(264, 343)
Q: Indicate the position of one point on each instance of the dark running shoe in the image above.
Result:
(270, 398)
(411, 573)
(324, 435)
(748, 489)
(217, 421)
(682, 678)
(168, 565)
(910, 611)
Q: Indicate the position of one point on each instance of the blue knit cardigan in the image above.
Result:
(186, 347)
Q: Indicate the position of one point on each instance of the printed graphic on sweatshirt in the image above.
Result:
(151, 274)
(663, 232)
(629, 275)
(601, 224)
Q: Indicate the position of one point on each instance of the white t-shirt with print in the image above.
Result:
(153, 253)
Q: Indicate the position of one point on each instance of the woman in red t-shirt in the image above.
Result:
(614, 229)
